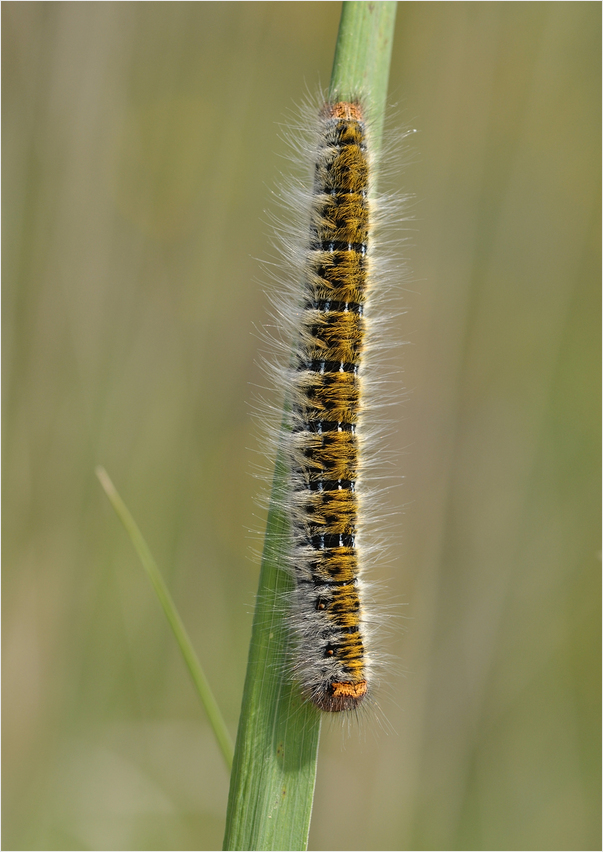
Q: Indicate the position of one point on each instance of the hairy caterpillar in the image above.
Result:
(331, 319)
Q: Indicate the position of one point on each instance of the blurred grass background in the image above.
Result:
(140, 148)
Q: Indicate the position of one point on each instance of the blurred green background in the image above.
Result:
(141, 145)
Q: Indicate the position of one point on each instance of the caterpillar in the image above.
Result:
(325, 436)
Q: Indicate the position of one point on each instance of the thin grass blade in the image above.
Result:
(173, 617)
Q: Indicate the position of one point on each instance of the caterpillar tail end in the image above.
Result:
(337, 697)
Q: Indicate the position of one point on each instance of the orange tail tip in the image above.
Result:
(340, 696)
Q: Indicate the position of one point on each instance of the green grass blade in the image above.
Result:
(165, 599)
(274, 772)
(363, 56)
